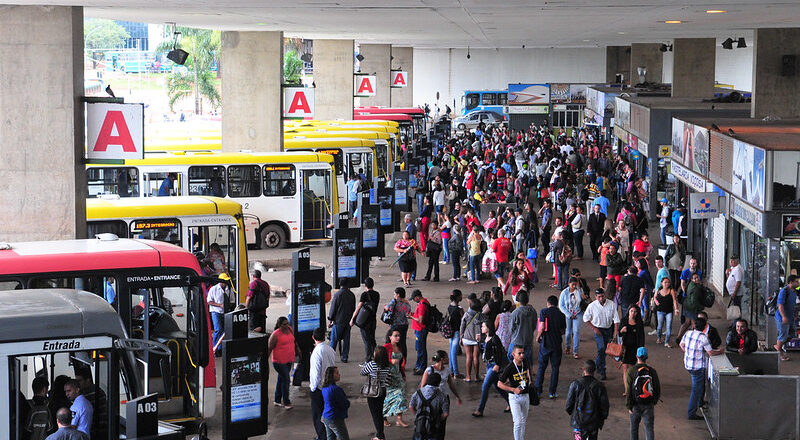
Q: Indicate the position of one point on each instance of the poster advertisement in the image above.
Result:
(577, 93)
(623, 113)
(347, 256)
(748, 173)
(385, 203)
(308, 297)
(677, 140)
(245, 388)
(559, 93)
(528, 94)
(401, 190)
(791, 226)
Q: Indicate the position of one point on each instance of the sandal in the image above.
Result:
(507, 410)
(477, 414)
(576, 356)
(785, 358)
(387, 424)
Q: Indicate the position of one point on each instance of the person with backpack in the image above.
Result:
(784, 314)
(469, 329)
(644, 390)
(516, 380)
(692, 303)
(257, 303)
(365, 317)
(420, 321)
(587, 404)
(447, 381)
(430, 407)
(40, 422)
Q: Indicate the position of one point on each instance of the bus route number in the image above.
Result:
(147, 408)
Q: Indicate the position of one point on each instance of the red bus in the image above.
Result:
(159, 294)
(416, 113)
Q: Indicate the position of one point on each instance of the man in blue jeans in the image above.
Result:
(216, 298)
(343, 304)
(552, 325)
(696, 346)
(602, 317)
(420, 325)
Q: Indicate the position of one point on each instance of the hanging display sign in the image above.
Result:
(695, 182)
(298, 102)
(114, 131)
(399, 79)
(748, 216)
(703, 205)
(529, 109)
(528, 94)
(365, 85)
(690, 144)
(749, 168)
(664, 151)
(791, 226)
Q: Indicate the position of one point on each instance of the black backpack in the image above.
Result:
(427, 422)
(40, 424)
(259, 299)
(587, 408)
(708, 298)
(433, 319)
(643, 386)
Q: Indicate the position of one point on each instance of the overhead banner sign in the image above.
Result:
(691, 179)
(690, 145)
(399, 79)
(528, 109)
(365, 85)
(114, 131)
(748, 176)
(528, 94)
(703, 205)
(298, 102)
(748, 216)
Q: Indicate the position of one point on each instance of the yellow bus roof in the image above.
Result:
(341, 122)
(360, 134)
(328, 142)
(143, 207)
(344, 128)
(186, 145)
(209, 158)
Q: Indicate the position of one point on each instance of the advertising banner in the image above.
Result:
(622, 115)
(703, 205)
(690, 145)
(298, 102)
(697, 183)
(559, 93)
(577, 93)
(746, 215)
(528, 94)
(529, 109)
(748, 173)
(114, 131)
(365, 85)
(399, 79)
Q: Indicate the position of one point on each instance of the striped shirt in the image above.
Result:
(372, 369)
(696, 344)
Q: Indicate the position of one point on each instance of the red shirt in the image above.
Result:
(641, 246)
(420, 312)
(501, 246)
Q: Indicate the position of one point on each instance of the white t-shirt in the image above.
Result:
(438, 198)
(735, 276)
(577, 223)
(216, 294)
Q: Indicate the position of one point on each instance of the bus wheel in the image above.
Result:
(273, 236)
(461, 126)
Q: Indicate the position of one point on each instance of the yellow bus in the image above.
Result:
(385, 144)
(342, 122)
(194, 223)
(288, 197)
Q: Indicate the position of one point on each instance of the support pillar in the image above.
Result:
(693, 67)
(377, 59)
(333, 77)
(646, 55)
(618, 60)
(404, 60)
(43, 194)
(775, 85)
(252, 74)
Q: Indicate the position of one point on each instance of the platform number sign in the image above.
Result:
(365, 85)
(114, 131)
(142, 416)
(298, 102)
(399, 79)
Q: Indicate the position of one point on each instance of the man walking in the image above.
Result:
(552, 325)
(341, 311)
(523, 323)
(663, 220)
(603, 202)
(784, 315)
(601, 316)
(257, 302)
(594, 228)
(644, 390)
(516, 380)
(420, 326)
(587, 404)
(322, 357)
(696, 346)
(368, 308)
(430, 407)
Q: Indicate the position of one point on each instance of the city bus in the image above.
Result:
(342, 122)
(385, 143)
(285, 197)
(159, 295)
(406, 123)
(194, 223)
(489, 100)
(418, 117)
(163, 146)
(49, 333)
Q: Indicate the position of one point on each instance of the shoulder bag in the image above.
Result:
(372, 387)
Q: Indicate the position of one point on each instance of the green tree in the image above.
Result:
(203, 46)
(292, 67)
(100, 35)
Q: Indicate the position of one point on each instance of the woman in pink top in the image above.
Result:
(283, 348)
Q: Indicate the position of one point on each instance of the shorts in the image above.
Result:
(501, 269)
(784, 331)
(407, 266)
(257, 320)
(689, 315)
(603, 272)
(468, 342)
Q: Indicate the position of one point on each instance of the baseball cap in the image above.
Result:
(664, 200)
(224, 276)
(641, 352)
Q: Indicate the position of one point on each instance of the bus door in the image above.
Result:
(383, 156)
(316, 207)
(360, 161)
(473, 101)
(219, 246)
(155, 184)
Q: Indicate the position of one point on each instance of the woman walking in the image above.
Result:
(470, 334)
(439, 363)
(495, 355)
(406, 248)
(454, 313)
(503, 323)
(474, 243)
(379, 369)
(396, 402)
(433, 250)
(666, 303)
(632, 333)
(520, 278)
(283, 348)
(447, 228)
(336, 405)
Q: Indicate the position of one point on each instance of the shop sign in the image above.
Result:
(298, 102)
(528, 109)
(694, 181)
(642, 147)
(703, 205)
(791, 226)
(748, 216)
(664, 151)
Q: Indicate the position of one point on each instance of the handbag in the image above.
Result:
(614, 349)
(533, 253)
(387, 317)
(733, 312)
(365, 315)
(533, 395)
(371, 388)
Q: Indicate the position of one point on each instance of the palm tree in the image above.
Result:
(203, 46)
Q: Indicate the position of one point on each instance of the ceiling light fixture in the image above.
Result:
(177, 56)
(673, 22)
(728, 44)
(741, 44)
(665, 48)
(360, 58)
(715, 11)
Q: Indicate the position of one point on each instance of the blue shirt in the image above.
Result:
(352, 192)
(686, 275)
(603, 202)
(164, 189)
(599, 182)
(676, 220)
(336, 403)
(108, 293)
(507, 166)
(82, 414)
(546, 218)
(662, 273)
(788, 297)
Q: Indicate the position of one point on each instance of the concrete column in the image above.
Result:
(377, 59)
(618, 60)
(693, 67)
(333, 77)
(775, 91)
(404, 60)
(43, 194)
(646, 55)
(252, 73)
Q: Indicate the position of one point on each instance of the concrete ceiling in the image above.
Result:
(462, 23)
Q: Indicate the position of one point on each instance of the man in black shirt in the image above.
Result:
(552, 325)
(369, 303)
(341, 311)
(631, 289)
(516, 379)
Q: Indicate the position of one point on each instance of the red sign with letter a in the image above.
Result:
(114, 131)
(365, 85)
(298, 102)
(399, 79)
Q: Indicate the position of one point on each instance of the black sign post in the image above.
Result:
(308, 307)
(400, 185)
(346, 253)
(141, 415)
(245, 377)
(235, 325)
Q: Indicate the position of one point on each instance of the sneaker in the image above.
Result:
(553, 396)
(278, 404)
(652, 333)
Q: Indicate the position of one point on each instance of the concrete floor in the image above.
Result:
(548, 420)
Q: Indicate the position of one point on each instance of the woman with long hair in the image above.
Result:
(503, 323)
(283, 348)
(434, 248)
(406, 248)
(666, 303)
(454, 314)
(379, 369)
(470, 335)
(632, 333)
(518, 278)
(336, 405)
(396, 402)
(494, 353)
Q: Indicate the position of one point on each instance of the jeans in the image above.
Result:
(421, 345)
(282, 383)
(488, 381)
(341, 333)
(698, 389)
(218, 320)
(336, 429)
(528, 353)
(519, 403)
(368, 336)
(577, 238)
(664, 236)
(375, 405)
(520, 244)
(573, 331)
(602, 340)
(664, 316)
(455, 259)
(420, 200)
(454, 341)
(563, 275)
(317, 407)
(474, 266)
(642, 413)
(554, 358)
(446, 250)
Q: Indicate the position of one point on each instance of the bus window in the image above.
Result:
(116, 227)
(489, 99)
(473, 100)
(244, 181)
(207, 181)
(121, 181)
(383, 158)
(502, 99)
(166, 230)
(279, 180)
(218, 244)
(362, 161)
(156, 185)
(338, 162)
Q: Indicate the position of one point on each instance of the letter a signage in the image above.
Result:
(399, 79)
(298, 102)
(114, 131)
(365, 85)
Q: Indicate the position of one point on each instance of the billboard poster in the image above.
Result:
(577, 93)
(749, 173)
(623, 113)
(791, 226)
(559, 93)
(528, 94)
(677, 140)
